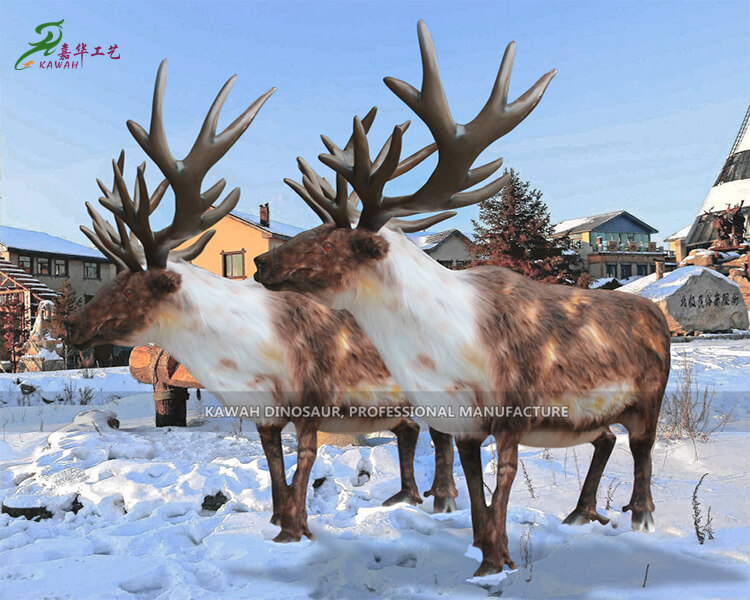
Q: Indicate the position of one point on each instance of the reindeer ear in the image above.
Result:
(366, 244)
(164, 282)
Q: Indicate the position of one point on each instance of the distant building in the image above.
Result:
(49, 260)
(239, 238)
(615, 244)
(451, 248)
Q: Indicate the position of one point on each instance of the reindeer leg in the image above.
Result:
(407, 433)
(585, 510)
(294, 513)
(469, 451)
(270, 438)
(641, 503)
(495, 553)
(443, 487)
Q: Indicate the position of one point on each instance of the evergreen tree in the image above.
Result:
(14, 333)
(514, 231)
(66, 303)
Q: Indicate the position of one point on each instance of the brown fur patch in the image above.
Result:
(319, 362)
(228, 363)
(580, 340)
(426, 362)
(127, 304)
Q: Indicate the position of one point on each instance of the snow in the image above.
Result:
(564, 226)
(38, 241)
(142, 532)
(275, 227)
(679, 235)
(671, 282)
(635, 287)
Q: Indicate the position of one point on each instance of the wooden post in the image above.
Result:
(659, 269)
(171, 405)
(150, 364)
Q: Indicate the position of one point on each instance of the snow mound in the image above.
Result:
(671, 282)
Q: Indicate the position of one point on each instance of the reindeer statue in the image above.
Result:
(285, 350)
(526, 362)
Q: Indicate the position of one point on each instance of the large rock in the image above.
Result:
(698, 299)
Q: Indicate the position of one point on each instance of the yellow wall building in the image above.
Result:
(239, 238)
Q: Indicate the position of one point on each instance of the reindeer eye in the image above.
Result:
(128, 293)
(327, 246)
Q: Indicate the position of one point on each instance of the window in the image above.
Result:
(60, 267)
(641, 269)
(611, 270)
(91, 270)
(42, 265)
(25, 263)
(234, 264)
(626, 271)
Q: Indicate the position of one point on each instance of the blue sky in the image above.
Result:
(645, 106)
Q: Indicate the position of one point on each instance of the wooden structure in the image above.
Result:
(17, 283)
(150, 364)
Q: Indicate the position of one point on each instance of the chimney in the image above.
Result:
(264, 212)
(659, 269)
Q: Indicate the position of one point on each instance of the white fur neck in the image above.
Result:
(199, 322)
(417, 313)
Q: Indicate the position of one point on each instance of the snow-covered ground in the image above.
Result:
(141, 531)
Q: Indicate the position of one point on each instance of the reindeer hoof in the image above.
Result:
(276, 519)
(581, 516)
(284, 537)
(642, 521)
(404, 496)
(490, 568)
(444, 505)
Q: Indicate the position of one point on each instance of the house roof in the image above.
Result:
(279, 230)
(679, 235)
(591, 223)
(430, 240)
(38, 241)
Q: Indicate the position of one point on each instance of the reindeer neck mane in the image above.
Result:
(417, 313)
(218, 328)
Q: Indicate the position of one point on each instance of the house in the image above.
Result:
(451, 248)
(50, 260)
(615, 244)
(239, 238)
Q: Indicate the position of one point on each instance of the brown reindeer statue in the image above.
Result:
(528, 363)
(248, 346)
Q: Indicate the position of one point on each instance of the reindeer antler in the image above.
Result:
(458, 145)
(340, 206)
(193, 209)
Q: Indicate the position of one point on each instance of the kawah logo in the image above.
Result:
(66, 58)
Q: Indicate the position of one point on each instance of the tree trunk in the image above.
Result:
(171, 405)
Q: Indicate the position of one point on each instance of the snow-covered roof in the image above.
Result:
(275, 228)
(38, 241)
(429, 240)
(590, 223)
(679, 235)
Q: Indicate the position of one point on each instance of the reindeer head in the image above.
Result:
(125, 309)
(331, 256)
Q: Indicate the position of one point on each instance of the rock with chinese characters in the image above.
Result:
(43, 350)
(699, 300)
